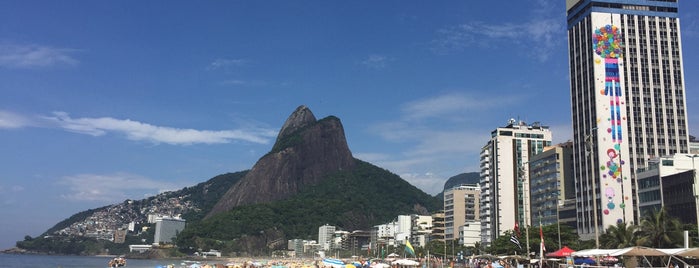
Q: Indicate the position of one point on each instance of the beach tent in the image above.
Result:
(683, 252)
(638, 251)
(561, 253)
(405, 262)
(514, 257)
(593, 252)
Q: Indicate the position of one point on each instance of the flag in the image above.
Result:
(513, 239)
(409, 248)
(541, 233)
(543, 246)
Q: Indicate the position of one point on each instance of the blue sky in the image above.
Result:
(108, 100)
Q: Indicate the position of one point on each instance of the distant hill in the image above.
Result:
(463, 178)
(355, 199)
(308, 179)
(305, 152)
(77, 234)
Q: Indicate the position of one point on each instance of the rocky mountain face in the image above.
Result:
(306, 150)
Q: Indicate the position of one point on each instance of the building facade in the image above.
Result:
(326, 234)
(668, 182)
(166, 228)
(504, 189)
(551, 178)
(470, 233)
(438, 228)
(461, 205)
(421, 230)
(628, 101)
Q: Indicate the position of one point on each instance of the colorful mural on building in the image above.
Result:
(607, 44)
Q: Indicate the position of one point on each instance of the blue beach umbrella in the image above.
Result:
(584, 261)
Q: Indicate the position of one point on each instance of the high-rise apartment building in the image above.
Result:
(504, 187)
(326, 234)
(461, 205)
(438, 228)
(628, 101)
(551, 179)
(166, 228)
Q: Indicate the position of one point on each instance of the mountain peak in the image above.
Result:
(305, 153)
(301, 117)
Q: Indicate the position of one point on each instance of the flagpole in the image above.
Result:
(541, 247)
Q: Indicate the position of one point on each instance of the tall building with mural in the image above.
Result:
(504, 163)
(628, 101)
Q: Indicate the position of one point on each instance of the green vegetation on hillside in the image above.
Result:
(352, 200)
(80, 216)
(204, 195)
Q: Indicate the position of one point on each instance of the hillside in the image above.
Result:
(351, 200)
(463, 178)
(79, 233)
(308, 179)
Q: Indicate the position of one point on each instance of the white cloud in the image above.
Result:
(11, 189)
(538, 36)
(35, 56)
(376, 61)
(10, 195)
(12, 120)
(452, 103)
(223, 63)
(239, 82)
(135, 130)
(139, 131)
(440, 136)
(112, 188)
(428, 182)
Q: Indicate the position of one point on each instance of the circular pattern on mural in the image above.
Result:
(606, 42)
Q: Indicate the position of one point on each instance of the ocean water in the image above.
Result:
(44, 261)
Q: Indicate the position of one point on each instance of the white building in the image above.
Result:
(504, 188)
(461, 205)
(326, 235)
(470, 233)
(405, 224)
(421, 230)
(166, 228)
(628, 101)
(670, 183)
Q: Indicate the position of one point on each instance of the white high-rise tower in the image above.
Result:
(504, 162)
(628, 101)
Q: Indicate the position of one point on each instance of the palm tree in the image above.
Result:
(660, 230)
(619, 236)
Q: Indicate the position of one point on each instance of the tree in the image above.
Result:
(620, 235)
(660, 230)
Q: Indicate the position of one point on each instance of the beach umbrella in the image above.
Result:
(584, 261)
(380, 265)
(335, 263)
(563, 252)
